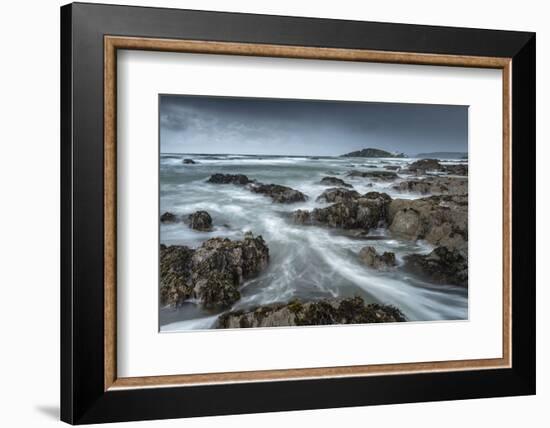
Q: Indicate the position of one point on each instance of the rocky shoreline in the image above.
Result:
(212, 274)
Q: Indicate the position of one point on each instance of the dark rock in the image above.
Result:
(423, 165)
(371, 258)
(212, 273)
(435, 186)
(175, 276)
(440, 220)
(375, 175)
(301, 217)
(219, 266)
(168, 217)
(383, 197)
(189, 161)
(278, 193)
(373, 153)
(334, 181)
(442, 265)
(322, 312)
(392, 167)
(459, 169)
(200, 220)
(239, 179)
(365, 213)
(338, 195)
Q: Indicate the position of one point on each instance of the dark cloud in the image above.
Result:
(195, 124)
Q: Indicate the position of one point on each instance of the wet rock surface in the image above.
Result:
(338, 195)
(442, 265)
(175, 276)
(440, 220)
(458, 169)
(365, 212)
(334, 181)
(211, 273)
(424, 165)
(278, 193)
(168, 217)
(372, 259)
(201, 221)
(239, 179)
(435, 186)
(323, 312)
(374, 175)
(189, 161)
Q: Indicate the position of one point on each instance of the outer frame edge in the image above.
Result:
(66, 304)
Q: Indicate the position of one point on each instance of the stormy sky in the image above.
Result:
(216, 125)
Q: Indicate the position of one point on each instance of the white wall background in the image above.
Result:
(29, 218)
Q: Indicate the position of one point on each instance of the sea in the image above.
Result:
(306, 262)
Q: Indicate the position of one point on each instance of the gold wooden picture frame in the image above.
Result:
(114, 43)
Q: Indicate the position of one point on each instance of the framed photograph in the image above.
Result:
(265, 213)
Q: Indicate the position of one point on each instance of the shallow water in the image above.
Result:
(306, 262)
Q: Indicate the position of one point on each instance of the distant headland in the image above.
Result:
(373, 153)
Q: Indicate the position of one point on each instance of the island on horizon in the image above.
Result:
(373, 153)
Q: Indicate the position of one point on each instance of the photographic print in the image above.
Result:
(290, 213)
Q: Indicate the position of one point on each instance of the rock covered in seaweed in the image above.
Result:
(435, 185)
(372, 259)
(239, 179)
(200, 220)
(322, 312)
(442, 265)
(168, 217)
(440, 220)
(211, 273)
(457, 169)
(365, 212)
(334, 181)
(382, 175)
(278, 193)
(423, 165)
(175, 274)
(337, 194)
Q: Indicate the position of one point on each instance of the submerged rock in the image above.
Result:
(440, 220)
(168, 217)
(334, 181)
(375, 175)
(213, 272)
(239, 179)
(322, 312)
(442, 265)
(189, 161)
(392, 167)
(336, 194)
(435, 185)
(200, 220)
(372, 259)
(278, 193)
